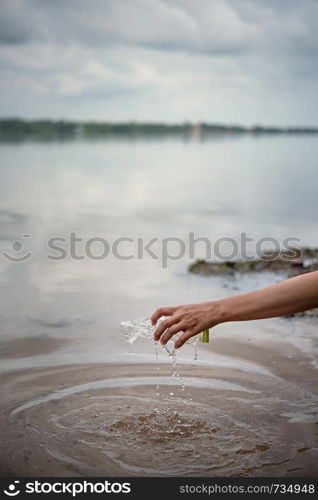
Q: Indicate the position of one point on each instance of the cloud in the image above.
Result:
(200, 26)
(14, 24)
(160, 59)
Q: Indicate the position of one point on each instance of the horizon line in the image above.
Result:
(184, 123)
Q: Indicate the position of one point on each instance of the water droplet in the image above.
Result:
(195, 351)
(142, 328)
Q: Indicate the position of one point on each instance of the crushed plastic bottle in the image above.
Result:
(142, 327)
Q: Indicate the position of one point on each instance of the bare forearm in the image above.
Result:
(288, 297)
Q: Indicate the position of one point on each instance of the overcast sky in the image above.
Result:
(229, 61)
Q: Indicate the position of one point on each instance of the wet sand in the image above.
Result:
(248, 409)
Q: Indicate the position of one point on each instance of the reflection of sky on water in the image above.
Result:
(265, 187)
(161, 186)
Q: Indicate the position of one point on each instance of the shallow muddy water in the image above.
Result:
(127, 420)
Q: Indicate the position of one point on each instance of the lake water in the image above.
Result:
(60, 316)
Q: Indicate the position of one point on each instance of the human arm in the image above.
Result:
(288, 297)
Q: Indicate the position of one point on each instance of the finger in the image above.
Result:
(162, 311)
(182, 340)
(172, 330)
(163, 327)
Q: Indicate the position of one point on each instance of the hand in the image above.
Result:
(190, 319)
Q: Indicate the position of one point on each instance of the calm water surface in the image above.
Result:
(57, 313)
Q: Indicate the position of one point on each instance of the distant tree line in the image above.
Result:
(16, 128)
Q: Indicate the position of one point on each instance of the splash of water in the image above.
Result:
(143, 328)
